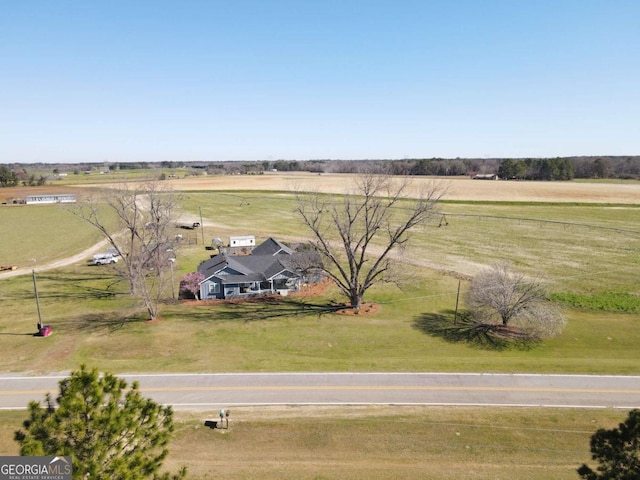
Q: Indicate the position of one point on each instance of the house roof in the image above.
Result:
(243, 268)
(213, 265)
(267, 265)
(271, 246)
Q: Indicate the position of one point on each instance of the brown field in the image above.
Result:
(457, 188)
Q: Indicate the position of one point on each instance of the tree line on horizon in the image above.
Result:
(543, 169)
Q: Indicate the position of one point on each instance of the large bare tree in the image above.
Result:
(513, 303)
(142, 235)
(355, 234)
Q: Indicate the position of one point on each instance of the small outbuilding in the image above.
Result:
(242, 241)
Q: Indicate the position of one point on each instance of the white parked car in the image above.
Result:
(104, 258)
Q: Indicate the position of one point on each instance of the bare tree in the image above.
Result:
(502, 297)
(356, 233)
(142, 234)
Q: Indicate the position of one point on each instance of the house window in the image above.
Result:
(214, 287)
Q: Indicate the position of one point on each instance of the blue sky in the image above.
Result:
(123, 81)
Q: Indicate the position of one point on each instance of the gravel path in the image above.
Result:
(57, 263)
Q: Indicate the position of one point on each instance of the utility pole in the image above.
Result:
(35, 289)
(201, 224)
(173, 287)
(455, 317)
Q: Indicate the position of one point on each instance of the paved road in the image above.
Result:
(211, 391)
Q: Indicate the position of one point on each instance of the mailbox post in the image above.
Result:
(224, 414)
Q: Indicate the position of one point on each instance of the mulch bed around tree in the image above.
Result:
(366, 309)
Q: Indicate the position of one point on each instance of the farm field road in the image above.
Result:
(206, 391)
(80, 257)
(456, 188)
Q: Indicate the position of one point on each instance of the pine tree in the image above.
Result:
(109, 430)
(617, 450)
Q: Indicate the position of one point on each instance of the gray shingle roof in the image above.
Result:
(213, 265)
(248, 268)
(271, 246)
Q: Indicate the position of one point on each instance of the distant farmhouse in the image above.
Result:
(43, 199)
(266, 270)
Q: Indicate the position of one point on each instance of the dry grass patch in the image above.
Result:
(378, 442)
(459, 188)
(383, 442)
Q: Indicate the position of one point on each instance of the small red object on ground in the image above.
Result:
(45, 331)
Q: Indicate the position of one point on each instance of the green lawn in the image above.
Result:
(96, 322)
(33, 235)
(588, 251)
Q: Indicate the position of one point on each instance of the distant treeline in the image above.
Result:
(19, 176)
(559, 168)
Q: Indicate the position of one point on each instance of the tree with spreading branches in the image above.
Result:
(107, 428)
(142, 234)
(355, 235)
(512, 304)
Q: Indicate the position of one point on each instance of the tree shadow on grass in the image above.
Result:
(99, 322)
(80, 287)
(266, 308)
(70, 286)
(464, 329)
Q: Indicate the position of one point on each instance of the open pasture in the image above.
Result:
(32, 236)
(587, 253)
(376, 443)
(580, 248)
(586, 250)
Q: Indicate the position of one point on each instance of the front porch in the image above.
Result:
(234, 289)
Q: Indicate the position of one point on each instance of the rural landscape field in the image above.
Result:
(581, 238)
(330, 240)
